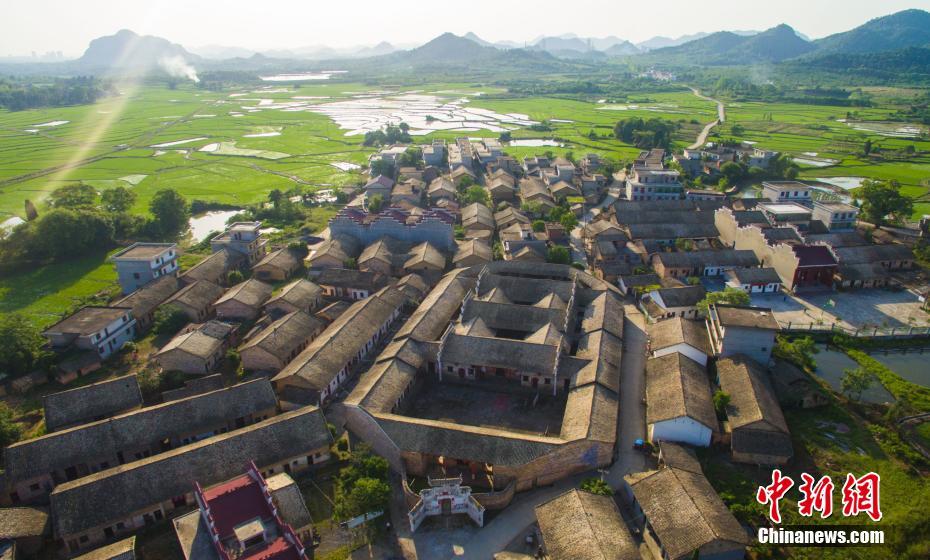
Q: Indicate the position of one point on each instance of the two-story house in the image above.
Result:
(244, 238)
(102, 329)
(141, 263)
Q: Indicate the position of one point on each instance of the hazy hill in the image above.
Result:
(910, 28)
(729, 48)
(126, 49)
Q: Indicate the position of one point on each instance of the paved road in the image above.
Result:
(515, 520)
(721, 117)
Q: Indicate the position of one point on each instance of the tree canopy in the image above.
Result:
(882, 200)
(645, 134)
(731, 296)
(22, 347)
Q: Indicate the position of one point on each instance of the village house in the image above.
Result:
(426, 260)
(196, 300)
(243, 301)
(835, 215)
(628, 283)
(314, 376)
(414, 287)
(682, 336)
(34, 467)
(653, 183)
(473, 252)
(679, 406)
(346, 283)
(509, 216)
(244, 238)
(435, 154)
(758, 431)
(195, 386)
(141, 263)
(748, 331)
(408, 190)
(785, 191)
(248, 516)
(665, 303)
(869, 266)
(441, 188)
(782, 214)
(681, 516)
(148, 298)
(91, 402)
(754, 280)
(501, 187)
(683, 264)
(334, 252)
(23, 531)
(433, 225)
(280, 342)
(476, 220)
(82, 520)
(593, 232)
(277, 266)
(385, 256)
(661, 236)
(215, 269)
(534, 190)
(462, 174)
(103, 330)
(578, 524)
(197, 349)
(379, 186)
(299, 295)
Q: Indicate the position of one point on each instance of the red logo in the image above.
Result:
(817, 497)
(859, 495)
(773, 493)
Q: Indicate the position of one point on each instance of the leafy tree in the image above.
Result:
(594, 485)
(234, 277)
(382, 167)
(299, 248)
(375, 203)
(568, 221)
(539, 225)
(856, 381)
(799, 351)
(10, 431)
(731, 296)
(881, 199)
(412, 157)
(233, 358)
(275, 197)
(476, 194)
(168, 320)
(558, 255)
(732, 171)
(351, 262)
(118, 200)
(21, 345)
(737, 130)
(362, 486)
(645, 134)
(74, 196)
(505, 136)
(171, 213)
(63, 233)
(464, 184)
(721, 401)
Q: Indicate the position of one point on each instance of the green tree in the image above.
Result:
(64, 234)
(539, 225)
(730, 296)
(558, 255)
(234, 277)
(721, 401)
(476, 194)
(881, 199)
(299, 248)
(168, 320)
(118, 200)
(799, 351)
(74, 196)
(594, 485)
(568, 221)
(171, 213)
(505, 137)
(275, 197)
(465, 183)
(21, 345)
(856, 381)
(382, 167)
(732, 171)
(10, 431)
(375, 203)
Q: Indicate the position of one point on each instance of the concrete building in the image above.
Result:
(786, 191)
(836, 216)
(749, 331)
(244, 238)
(103, 330)
(666, 303)
(781, 214)
(650, 183)
(141, 263)
(684, 264)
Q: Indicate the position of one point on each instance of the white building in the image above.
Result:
(141, 263)
(679, 406)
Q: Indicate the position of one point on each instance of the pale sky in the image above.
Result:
(68, 25)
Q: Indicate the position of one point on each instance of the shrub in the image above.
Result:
(596, 486)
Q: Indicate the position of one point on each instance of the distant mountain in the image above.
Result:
(729, 48)
(910, 28)
(476, 39)
(554, 44)
(607, 43)
(381, 48)
(127, 50)
(623, 48)
(910, 65)
(660, 42)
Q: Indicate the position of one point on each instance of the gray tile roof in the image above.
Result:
(115, 493)
(23, 522)
(677, 386)
(578, 525)
(752, 399)
(677, 330)
(90, 402)
(144, 300)
(88, 320)
(300, 294)
(285, 335)
(146, 427)
(252, 293)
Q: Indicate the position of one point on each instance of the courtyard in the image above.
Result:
(868, 308)
(488, 404)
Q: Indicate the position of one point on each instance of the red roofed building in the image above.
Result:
(816, 266)
(244, 523)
